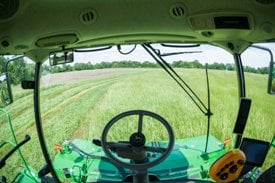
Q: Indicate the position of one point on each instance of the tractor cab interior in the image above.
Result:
(137, 91)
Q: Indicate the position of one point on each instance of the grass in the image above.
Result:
(80, 110)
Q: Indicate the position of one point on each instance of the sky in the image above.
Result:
(210, 54)
(251, 57)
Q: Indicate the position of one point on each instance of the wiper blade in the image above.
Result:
(180, 45)
(93, 50)
(178, 53)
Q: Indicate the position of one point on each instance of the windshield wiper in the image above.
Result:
(186, 88)
(179, 53)
(93, 50)
(180, 45)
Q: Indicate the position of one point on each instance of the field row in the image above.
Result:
(81, 108)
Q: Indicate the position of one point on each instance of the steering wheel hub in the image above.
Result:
(137, 139)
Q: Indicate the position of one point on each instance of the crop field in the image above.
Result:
(79, 104)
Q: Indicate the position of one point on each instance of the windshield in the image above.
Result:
(85, 95)
(103, 84)
(78, 99)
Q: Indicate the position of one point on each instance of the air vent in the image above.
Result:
(88, 16)
(5, 43)
(8, 8)
(265, 2)
(207, 33)
(177, 11)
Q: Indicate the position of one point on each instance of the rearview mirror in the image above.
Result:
(5, 94)
(57, 58)
(271, 79)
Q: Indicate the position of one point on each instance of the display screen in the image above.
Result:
(255, 151)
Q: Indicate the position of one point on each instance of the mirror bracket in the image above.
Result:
(271, 78)
(27, 84)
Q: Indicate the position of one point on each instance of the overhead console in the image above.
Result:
(217, 24)
(231, 22)
(57, 40)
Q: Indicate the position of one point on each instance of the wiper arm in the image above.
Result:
(93, 50)
(180, 45)
(178, 53)
(187, 89)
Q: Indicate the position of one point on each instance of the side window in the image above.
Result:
(20, 112)
(261, 117)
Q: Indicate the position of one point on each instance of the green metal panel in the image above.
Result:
(187, 161)
(27, 176)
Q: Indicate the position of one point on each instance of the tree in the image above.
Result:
(217, 66)
(3, 62)
(16, 71)
(197, 64)
(229, 67)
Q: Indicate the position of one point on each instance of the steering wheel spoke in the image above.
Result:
(119, 145)
(155, 149)
(140, 121)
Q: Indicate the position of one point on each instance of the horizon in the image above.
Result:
(210, 54)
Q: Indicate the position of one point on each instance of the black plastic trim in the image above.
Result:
(242, 116)
(258, 158)
(39, 127)
(241, 86)
(231, 22)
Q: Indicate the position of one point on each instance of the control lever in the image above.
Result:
(3, 160)
(44, 171)
(3, 179)
(96, 142)
(267, 176)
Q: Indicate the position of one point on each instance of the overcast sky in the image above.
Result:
(210, 54)
(251, 57)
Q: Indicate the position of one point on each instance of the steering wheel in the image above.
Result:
(135, 149)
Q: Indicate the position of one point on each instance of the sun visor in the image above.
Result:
(56, 40)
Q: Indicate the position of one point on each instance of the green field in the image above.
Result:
(81, 109)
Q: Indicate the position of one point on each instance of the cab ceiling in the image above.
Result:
(36, 28)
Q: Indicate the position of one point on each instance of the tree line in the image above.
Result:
(21, 70)
(147, 64)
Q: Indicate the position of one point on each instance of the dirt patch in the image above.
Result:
(70, 77)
